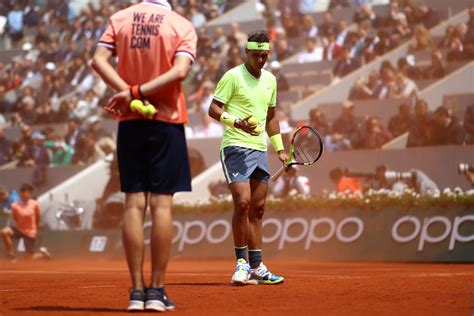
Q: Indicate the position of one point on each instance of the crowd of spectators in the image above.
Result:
(51, 81)
(424, 128)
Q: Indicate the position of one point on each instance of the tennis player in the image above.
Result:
(243, 92)
(155, 48)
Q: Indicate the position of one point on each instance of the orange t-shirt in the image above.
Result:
(26, 216)
(351, 184)
(146, 37)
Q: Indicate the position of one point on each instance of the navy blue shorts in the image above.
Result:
(28, 241)
(241, 164)
(152, 157)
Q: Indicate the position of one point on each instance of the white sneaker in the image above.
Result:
(45, 252)
(261, 275)
(242, 273)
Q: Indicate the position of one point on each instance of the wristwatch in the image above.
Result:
(237, 123)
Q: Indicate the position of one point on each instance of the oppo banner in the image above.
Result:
(357, 235)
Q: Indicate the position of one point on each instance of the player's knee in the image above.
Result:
(242, 207)
(256, 212)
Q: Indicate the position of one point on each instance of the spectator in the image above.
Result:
(317, 120)
(426, 16)
(405, 87)
(408, 70)
(239, 36)
(6, 200)
(289, 25)
(375, 134)
(449, 34)
(5, 148)
(366, 13)
(421, 39)
(422, 184)
(331, 50)
(360, 90)
(292, 182)
(84, 152)
(309, 30)
(283, 49)
(401, 123)
(312, 52)
(336, 142)
(437, 69)
(385, 42)
(328, 26)
(341, 32)
(61, 152)
(37, 156)
(457, 51)
(388, 88)
(282, 82)
(469, 124)
(15, 23)
(346, 64)
(420, 133)
(343, 183)
(197, 18)
(447, 130)
(345, 124)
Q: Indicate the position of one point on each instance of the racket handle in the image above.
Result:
(278, 173)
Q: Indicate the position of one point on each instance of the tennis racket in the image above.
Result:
(306, 148)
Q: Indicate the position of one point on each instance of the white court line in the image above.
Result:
(305, 275)
(95, 286)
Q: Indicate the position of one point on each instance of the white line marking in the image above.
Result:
(95, 286)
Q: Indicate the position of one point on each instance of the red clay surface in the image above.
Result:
(203, 288)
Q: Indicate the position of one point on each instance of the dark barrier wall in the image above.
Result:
(439, 163)
(13, 178)
(416, 235)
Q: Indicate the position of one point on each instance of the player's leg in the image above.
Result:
(259, 273)
(240, 227)
(161, 237)
(132, 236)
(168, 173)
(7, 237)
(133, 244)
(257, 208)
(132, 163)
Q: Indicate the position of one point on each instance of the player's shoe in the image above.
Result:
(157, 300)
(241, 274)
(45, 252)
(137, 301)
(261, 275)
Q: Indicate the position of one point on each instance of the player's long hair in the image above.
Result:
(259, 37)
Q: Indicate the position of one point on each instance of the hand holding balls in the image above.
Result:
(253, 122)
(147, 110)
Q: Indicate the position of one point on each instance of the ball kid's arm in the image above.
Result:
(100, 63)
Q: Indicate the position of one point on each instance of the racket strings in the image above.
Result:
(307, 146)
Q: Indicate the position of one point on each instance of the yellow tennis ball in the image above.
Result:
(149, 110)
(252, 121)
(258, 129)
(135, 105)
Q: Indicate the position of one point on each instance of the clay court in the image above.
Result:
(203, 288)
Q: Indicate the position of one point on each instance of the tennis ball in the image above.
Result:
(258, 129)
(252, 121)
(149, 110)
(135, 105)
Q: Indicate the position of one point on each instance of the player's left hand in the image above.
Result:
(283, 157)
(119, 104)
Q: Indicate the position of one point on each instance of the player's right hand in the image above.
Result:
(246, 127)
(119, 104)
